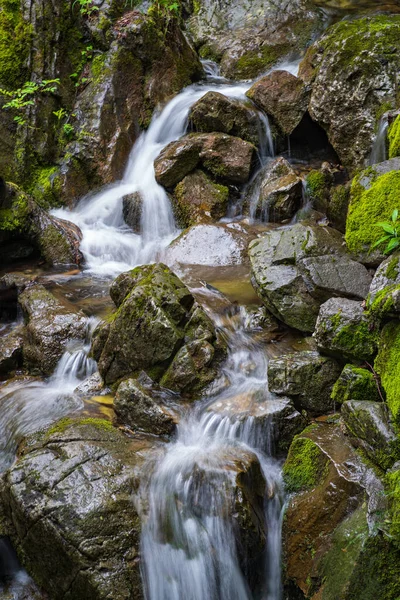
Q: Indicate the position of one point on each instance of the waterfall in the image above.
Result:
(189, 542)
(379, 148)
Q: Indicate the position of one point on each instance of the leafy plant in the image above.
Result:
(68, 130)
(392, 230)
(86, 7)
(86, 56)
(25, 96)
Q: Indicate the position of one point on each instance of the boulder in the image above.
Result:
(387, 275)
(373, 198)
(142, 407)
(216, 112)
(355, 383)
(11, 350)
(369, 427)
(336, 491)
(23, 220)
(49, 327)
(344, 330)
(69, 500)
(276, 193)
(132, 210)
(157, 321)
(283, 97)
(386, 365)
(249, 39)
(197, 199)
(296, 268)
(226, 157)
(352, 70)
(307, 377)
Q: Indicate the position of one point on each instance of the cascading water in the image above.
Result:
(189, 543)
(379, 148)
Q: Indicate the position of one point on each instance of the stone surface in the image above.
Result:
(49, 327)
(283, 97)
(306, 376)
(11, 350)
(226, 157)
(369, 427)
(355, 383)
(197, 199)
(276, 193)
(216, 112)
(344, 330)
(69, 500)
(352, 73)
(132, 210)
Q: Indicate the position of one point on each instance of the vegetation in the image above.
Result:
(391, 237)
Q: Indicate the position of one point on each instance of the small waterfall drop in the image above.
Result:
(189, 539)
(379, 148)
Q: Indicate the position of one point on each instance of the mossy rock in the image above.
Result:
(387, 366)
(355, 383)
(304, 465)
(394, 138)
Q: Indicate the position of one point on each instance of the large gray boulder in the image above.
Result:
(307, 377)
(297, 268)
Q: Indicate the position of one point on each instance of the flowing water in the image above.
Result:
(379, 149)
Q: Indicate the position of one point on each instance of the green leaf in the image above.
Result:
(388, 228)
(394, 243)
(395, 214)
(381, 240)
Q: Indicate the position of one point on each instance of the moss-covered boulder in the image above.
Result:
(248, 39)
(352, 70)
(355, 383)
(394, 138)
(49, 326)
(345, 330)
(156, 322)
(369, 427)
(25, 224)
(216, 112)
(283, 97)
(227, 157)
(387, 366)
(374, 195)
(305, 376)
(68, 500)
(198, 199)
(276, 193)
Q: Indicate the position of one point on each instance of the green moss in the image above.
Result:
(357, 339)
(317, 184)
(15, 41)
(394, 138)
(63, 424)
(393, 488)
(367, 207)
(98, 68)
(392, 270)
(14, 218)
(253, 63)
(304, 465)
(383, 304)
(387, 366)
(355, 383)
(45, 187)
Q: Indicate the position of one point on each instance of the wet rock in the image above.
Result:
(276, 193)
(49, 327)
(226, 157)
(212, 245)
(369, 427)
(70, 501)
(91, 386)
(197, 199)
(283, 97)
(343, 329)
(21, 217)
(277, 276)
(352, 73)
(216, 112)
(250, 39)
(355, 383)
(11, 350)
(142, 407)
(306, 376)
(373, 197)
(333, 483)
(132, 210)
(156, 323)
(386, 275)
(386, 365)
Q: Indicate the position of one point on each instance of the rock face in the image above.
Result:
(373, 197)
(22, 220)
(305, 376)
(226, 157)
(49, 327)
(387, 275)
(334, 485)
(69, 500)
(216, 112)
(344, 330)
(157, 328)
(295, 269)
(283, 97)
(249, 39)
(276, 193)
(355, 383)
(368, 424)
(352, 72)
(11, 350)
(197, 199)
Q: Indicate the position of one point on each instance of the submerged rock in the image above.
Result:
(216, 112)
(197, 199)
(283, 97)
(306, 376)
